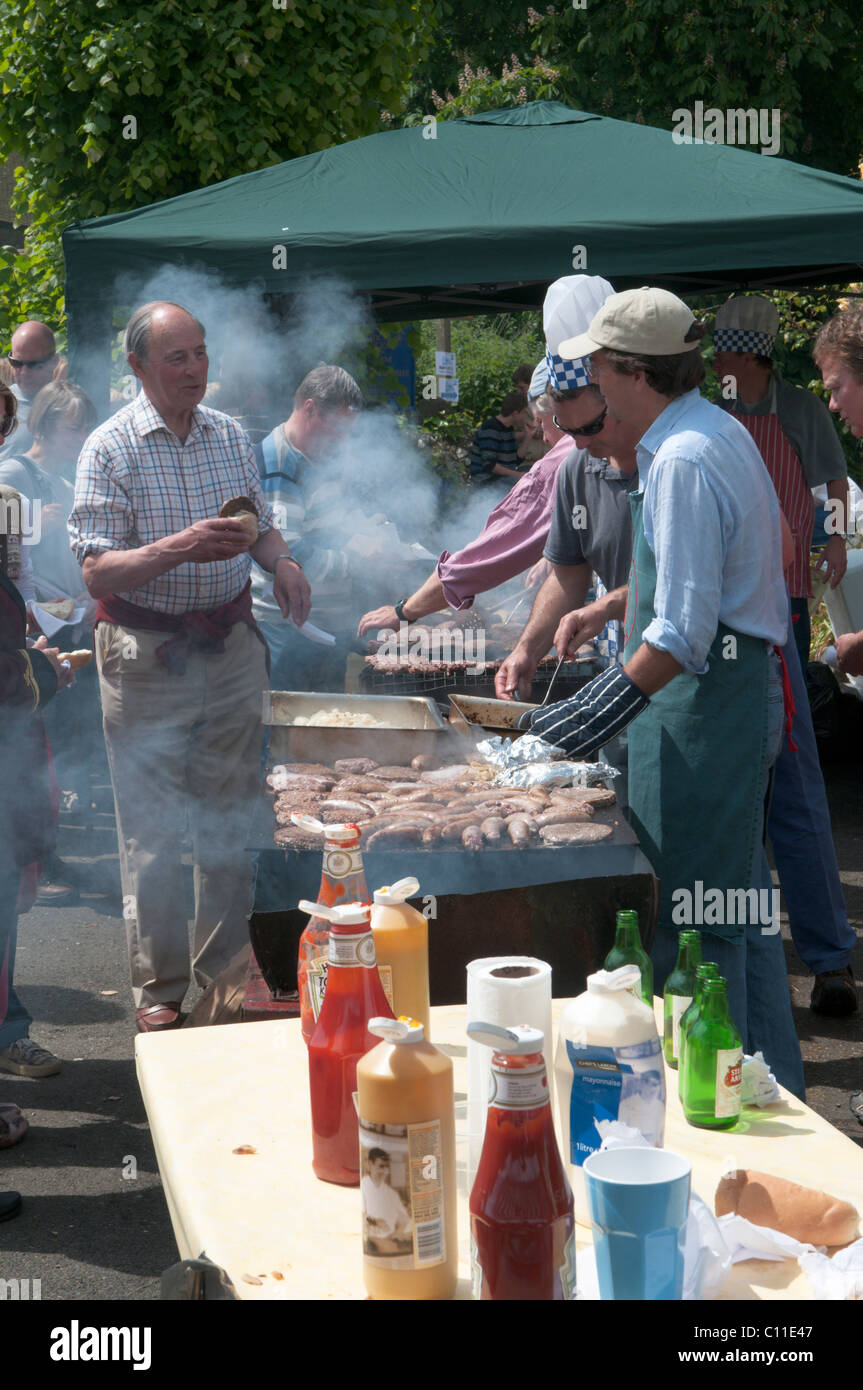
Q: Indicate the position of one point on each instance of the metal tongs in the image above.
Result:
(552, 681)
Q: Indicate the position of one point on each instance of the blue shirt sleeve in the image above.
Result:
(684, 526)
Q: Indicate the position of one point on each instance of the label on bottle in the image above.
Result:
(386, 974)
(339, 861)
(482, 1282)
(729, 1078)
(316, 979)
(615, 1086)
(402, 1189)
(679, 1004)
(354, 948)
(518, 1090)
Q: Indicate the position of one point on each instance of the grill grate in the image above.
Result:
(573, 674)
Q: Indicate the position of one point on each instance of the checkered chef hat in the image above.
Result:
(746, 323)
(569, 306)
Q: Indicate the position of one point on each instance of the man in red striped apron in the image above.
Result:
(794, 434)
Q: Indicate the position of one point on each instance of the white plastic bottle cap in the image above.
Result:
(345, 915)
(517, 1040)
(613, 981)
(350, 914)
(316, 909)
(397, 892)
(397, 1030)
(315, 827)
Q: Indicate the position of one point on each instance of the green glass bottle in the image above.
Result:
(679, 992)
(713, 1064)
(708, 970)
(628, 950)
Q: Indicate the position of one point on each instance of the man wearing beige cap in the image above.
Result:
(701, 684)
(794, 435)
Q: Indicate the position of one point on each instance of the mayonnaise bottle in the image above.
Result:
(402, 950)
(609, 1073)
(407, 1165)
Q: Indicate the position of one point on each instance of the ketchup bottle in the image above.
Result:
(341, 1037)
(521, 1213)
(343, 880)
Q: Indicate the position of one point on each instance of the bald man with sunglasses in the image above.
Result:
(33, 359)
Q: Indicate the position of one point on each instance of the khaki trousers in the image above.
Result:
(184, 752)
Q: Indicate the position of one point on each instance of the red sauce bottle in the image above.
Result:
(343, 880)
(521, 1213)
(341, 1037)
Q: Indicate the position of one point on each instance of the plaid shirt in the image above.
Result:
(137, 483)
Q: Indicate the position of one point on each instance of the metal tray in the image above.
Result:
(497, 716)
(412, 725)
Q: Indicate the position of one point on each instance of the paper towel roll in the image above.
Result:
(504, 990)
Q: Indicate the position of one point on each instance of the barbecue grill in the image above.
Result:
(558, 903)
(437, 685)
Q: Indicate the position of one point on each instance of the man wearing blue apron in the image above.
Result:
(707, 606)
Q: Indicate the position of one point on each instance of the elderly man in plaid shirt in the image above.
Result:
(181, 662)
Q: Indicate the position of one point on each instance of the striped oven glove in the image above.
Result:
(589, 719)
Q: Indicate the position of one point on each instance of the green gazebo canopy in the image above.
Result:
(479, 214)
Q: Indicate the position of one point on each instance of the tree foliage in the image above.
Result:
(485, 362)
(114, 106)
(641, 60)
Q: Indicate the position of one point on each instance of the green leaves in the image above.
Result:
(216, 89)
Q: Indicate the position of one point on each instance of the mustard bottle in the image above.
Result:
(407, 1165)
(401, 947)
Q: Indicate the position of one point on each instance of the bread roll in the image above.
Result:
(77, 659)
(242, 509)
(809, 1216)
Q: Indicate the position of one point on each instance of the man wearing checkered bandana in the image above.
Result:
(801, 449)
(793, 432)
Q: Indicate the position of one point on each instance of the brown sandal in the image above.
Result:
(158, 1018)
(13, 1125)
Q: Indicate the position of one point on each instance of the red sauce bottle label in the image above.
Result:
(354, 949)
(519, 1090)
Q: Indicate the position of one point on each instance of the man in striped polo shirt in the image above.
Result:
(182, 665)
(308, 504)
(495, 453)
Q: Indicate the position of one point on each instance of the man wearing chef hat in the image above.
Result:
(700, 687)
(794, 435)
(515, 533)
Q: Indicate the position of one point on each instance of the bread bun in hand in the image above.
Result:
(244, 510)
(77, 659)
(809, 1216)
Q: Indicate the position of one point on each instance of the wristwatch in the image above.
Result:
(285, 556)
(400, 610)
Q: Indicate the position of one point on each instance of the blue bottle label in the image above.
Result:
(623, 1084)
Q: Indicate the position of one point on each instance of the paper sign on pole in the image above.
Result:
(447, 388)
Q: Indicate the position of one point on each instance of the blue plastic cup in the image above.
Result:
(639, 1202)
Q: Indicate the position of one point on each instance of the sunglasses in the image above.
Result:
(18, 362)
(583, 431)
